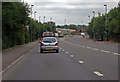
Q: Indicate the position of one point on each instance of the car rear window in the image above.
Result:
(49, 40)
(47, 34)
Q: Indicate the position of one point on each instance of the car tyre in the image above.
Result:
(57, 51)
(41, 51)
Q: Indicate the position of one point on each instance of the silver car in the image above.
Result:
(49, 44)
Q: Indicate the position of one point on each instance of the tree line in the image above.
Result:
(73, 26)
(107, 25)
(18, 28)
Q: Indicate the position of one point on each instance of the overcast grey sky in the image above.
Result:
(74, 11)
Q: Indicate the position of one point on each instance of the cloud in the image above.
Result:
(72, 10)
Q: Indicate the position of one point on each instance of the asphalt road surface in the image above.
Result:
(78, 59)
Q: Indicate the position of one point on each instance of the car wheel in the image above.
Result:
(57, 51)
(41, 51)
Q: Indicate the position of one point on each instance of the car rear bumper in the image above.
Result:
(48, 48)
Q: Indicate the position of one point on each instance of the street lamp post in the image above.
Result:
(39, 18)
(89, 18)
(51, 24)
(35, 15)
(50, 19)
(65, 21)
(94, 26)
(44, 19)
(106, 22)
(31, 21)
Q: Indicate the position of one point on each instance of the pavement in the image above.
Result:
(78, 59)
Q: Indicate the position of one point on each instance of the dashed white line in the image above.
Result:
(88, 47)
(95, 49)
(98, 73)
(116, 54)
(92, 48)
(71, 55)
(83, 46)
(105, 51)
(66, 52)
(81, 62)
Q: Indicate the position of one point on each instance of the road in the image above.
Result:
(78, 59)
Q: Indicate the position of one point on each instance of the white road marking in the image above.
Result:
(63, 50)
(71, 55)
(66, 52)
(13, 63)
(81, 62)
(105, 51)
(98, 73)
(88, 47)
(116, 53)
(91, 48)
(95, 49)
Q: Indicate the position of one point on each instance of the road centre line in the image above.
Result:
(98, 73)
(88, 47)
(116, 54)
(95, 49)
(66, 52)
(81, 62)
(71, 55)
(92, 48)
(105, 51)
(83, 46)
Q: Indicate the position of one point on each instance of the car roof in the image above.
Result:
(50, 37)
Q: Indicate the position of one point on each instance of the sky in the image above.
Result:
(73, 11)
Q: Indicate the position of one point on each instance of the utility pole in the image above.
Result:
(35, 15)
(106, 30)
(65, 21)
(99, 14)
(50, 19)
(94, 26)
(44, 19)
(39, 18)
(31, 21)
(89, 18)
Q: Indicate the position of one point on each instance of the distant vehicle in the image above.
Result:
(60, 35)
(83, 34)
(49, 44)
(47, 34)
(56, 34)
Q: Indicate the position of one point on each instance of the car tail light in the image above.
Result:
(56, 44)
(42, 44)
